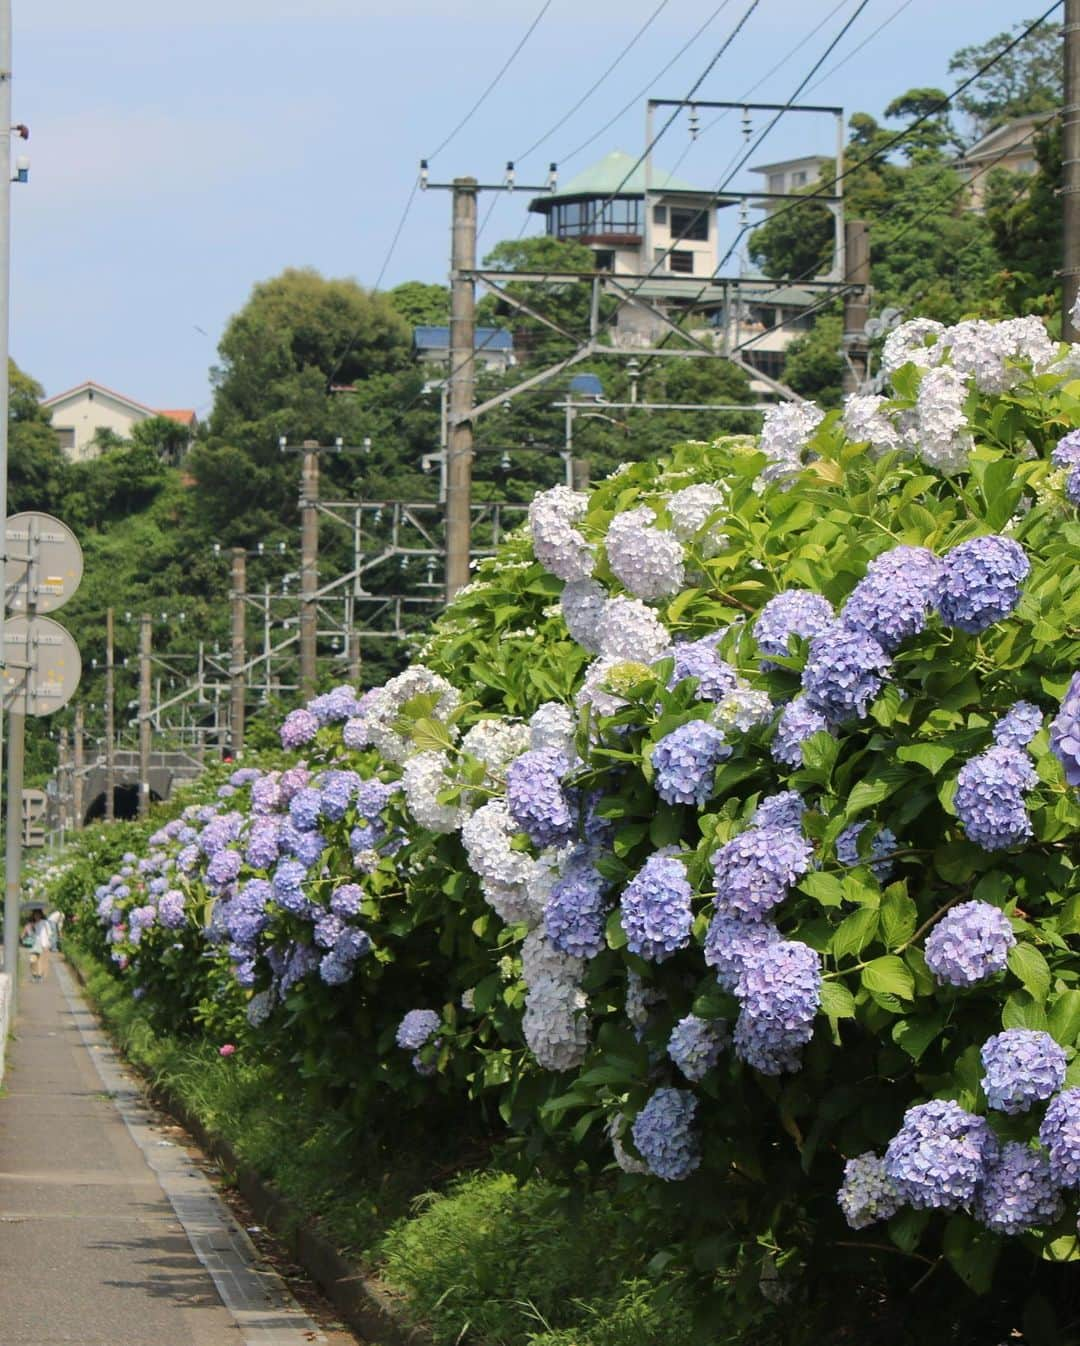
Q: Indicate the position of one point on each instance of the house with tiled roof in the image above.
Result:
(81, 414)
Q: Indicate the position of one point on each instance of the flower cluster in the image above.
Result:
(1065, 732)
(685, 761)
(754, 870)
(1018, 1191)
(779, 990)
(785, 433)
(798, 721)
(980, 582)
(970, 943)
(559, 546)
(866, 1194)
(1018, 726)
(655, 907)
(646, 560)
(989, 798)
(1060, 1133)
(844, 671)
(794, 612)
(1023, 1066)
(696, 1045)
(716, 678)
(664, 1136)
(938, 1158)
(536, 799)
(891, 602)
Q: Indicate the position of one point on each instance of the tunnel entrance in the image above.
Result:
(125, 803)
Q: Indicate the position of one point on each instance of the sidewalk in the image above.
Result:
(110, 1236)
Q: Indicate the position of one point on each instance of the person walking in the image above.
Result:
(41, 944)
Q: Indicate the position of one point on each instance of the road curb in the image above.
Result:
(365, 1305)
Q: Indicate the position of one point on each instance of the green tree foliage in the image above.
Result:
(1026, 79)
(1024, 215)
(813, 365)
(36, 467)
(421, 304)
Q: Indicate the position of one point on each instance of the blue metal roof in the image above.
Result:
(588, 385)
(486, 338)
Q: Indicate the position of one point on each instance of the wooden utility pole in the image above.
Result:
(110, 720)
(462, 384)
(79, 754)
(238, 651)
(856, 303)
(145, 702)
(1070, 159)
(309, 569)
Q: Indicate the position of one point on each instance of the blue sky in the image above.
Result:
(181, 153)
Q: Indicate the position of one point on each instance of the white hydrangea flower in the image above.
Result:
(627, 629)
(559, 546)
(866, 420)
(907, 344)
(742, 709)
(593, 692)
(582, 602)
(553, 725)
(688, 510)
(540, 958)
(554, 1024)
(486, 836)
(943, 439)
(424, 775)
(511, 901)
(496, 743)
(545, 873)
(647, 560)
(381, 713)
(623, 1157)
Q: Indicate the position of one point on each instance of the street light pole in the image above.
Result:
(11, 897)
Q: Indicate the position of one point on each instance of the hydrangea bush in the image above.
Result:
(723, 830)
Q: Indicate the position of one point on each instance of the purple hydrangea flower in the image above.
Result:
(843, 672)
(262, 842)
(299, 727)
(779, 988)
(1067, 450)
(685, 762)
(794, 612)
(1018, 726)
(346, 900)
(1023, 1066)
(881, 847)
(754, 870)
(980, 582)
(1072, 487)
(1065, 732)
(218, 833)
(340, 704)
(1017, 1191)
(307, 847)
(328, 928)
(989, 797)
(866, 1194)
(245, 775)
(730, 941)
(417, 1028)
(696, 1045)
(289, 782)
(784, 810)
(372, 797)
(224, 867)
(246, 916)
(798, 722)
(534, 795)
(575, 914)
(891, 602)
(266, 794)
(939, 1157)
(357, 733)
(305, 809)
(338, 789)
(698, 659)
(1060, 1133)
(287, 887)
(171, 909)
(970, 943)
(664, 1136)
(300, 960)
(655, 907)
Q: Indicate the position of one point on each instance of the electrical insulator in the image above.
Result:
(423, 175)
(695, 122)
(510, 174)
(553, 176)
(746, 123)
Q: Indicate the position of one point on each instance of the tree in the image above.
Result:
(813, 364)
(1023, 212)
(37, 468)
(1024, 80)
(169, 439)
(421, 304)
(934, 133)
(565, 304)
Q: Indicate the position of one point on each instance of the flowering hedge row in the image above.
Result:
(724, 826)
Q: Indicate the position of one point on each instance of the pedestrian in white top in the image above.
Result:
(40, 947)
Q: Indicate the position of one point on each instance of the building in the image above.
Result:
(1009, 148)
(82, 413)
(788, 177)
(494, 347)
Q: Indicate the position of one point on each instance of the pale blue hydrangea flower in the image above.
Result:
(575, 913)
(685, 762)
(1018, 726)
(843, 673)
(417, 1028)
(866, 1194)
(779, 989)
(881, 847)
(262, 850)
(1065, 732)
(970, 943)
(664, 1136)
(299, 727)
(980, 582)
(730, 941)
(655, 907)
(1060, 1133)
(171, 909)
(346, 899)
(696, 1045)
(334, 706)
(938, 1158)
(1017, 1191)
(798, 721)
(1067, 450)
(989, 797)
(305, 809)
(699, 659)
(754, 870)
(794, 612)
(1023, 1066)
(536, 799)
(783, 810)
(891, 602)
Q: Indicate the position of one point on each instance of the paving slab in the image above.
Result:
(111, 1235)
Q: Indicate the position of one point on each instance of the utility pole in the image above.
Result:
(857, 303)
(145, 702)
(1070, 158)
(63, 779)
(309, 568)
(238, 653)
(78, 754)
(110, 719)
(462, 381)
(579, 474)
(11, 897)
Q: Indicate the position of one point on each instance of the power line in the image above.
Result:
(490, 88)
(389, 254)
(597, 83)
(864, 43)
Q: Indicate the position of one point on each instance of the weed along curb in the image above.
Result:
(365, 1305)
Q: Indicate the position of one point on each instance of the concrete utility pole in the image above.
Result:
(11, 899)
(1070, 159)
(462, 383)
(309, 568)
(78, 754)
(110, 720)
(238, 651)
(857, 303)
(145, 702)
(63, 782)
(579, 474)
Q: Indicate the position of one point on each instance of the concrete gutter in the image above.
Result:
(366, 1306)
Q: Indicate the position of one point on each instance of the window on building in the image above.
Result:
(605, 259)
(776, 182)
(65, 435)
(770, 363)
(690, 223)
(682, 261)
(659, 214)
(578, 219)
(798, 178)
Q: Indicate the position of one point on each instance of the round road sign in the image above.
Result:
(43, 666)
(44, 566)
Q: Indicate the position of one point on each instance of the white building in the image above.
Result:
(788, 177)
(1008, 149)
(80, 413)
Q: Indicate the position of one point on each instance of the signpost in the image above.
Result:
(42, 569)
